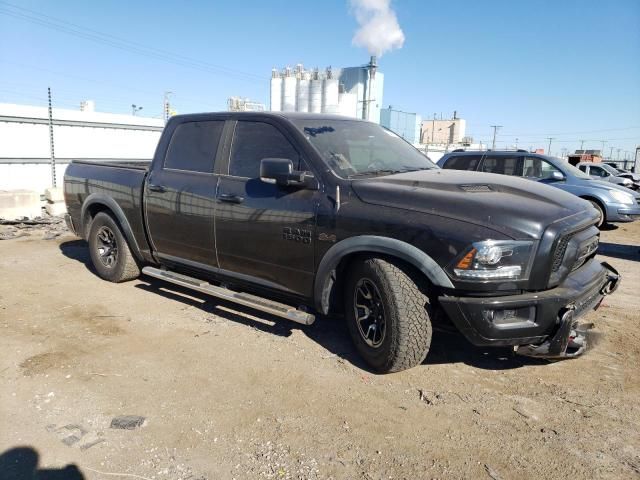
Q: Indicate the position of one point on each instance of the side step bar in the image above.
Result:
(246, 299)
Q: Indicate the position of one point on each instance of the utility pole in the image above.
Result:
(603, 144)
(618, 156)
(582, 145)
(516, 143)
(495, 130)
(135, 109)
(51, 144)
(550, 140)
(611, 154)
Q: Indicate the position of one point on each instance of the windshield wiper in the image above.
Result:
(379, 171)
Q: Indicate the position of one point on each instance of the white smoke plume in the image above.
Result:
(379, 30)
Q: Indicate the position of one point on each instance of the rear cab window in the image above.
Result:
(193, 146)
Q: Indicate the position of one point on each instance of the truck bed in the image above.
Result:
(117, 181)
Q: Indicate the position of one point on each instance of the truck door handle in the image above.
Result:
(230, 198)
(157, 188)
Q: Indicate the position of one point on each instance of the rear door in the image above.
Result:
(180, 195)
(264, 232)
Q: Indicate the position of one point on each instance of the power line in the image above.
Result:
(120, 43)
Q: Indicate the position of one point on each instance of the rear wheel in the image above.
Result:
(109, 250)
(387, 315)
(602, 217)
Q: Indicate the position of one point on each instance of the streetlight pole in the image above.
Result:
(135, 109)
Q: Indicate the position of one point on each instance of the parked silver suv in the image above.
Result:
(614, 203)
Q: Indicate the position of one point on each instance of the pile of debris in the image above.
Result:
(48, 227)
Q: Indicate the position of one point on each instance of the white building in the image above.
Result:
(25, 141)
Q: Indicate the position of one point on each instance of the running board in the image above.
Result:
(246, 299)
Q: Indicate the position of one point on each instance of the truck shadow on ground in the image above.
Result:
(21, 463)
(447, 347)
(78, 250)
(616, 250)
(332, 333)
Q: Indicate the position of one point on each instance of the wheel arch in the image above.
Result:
(96, 203)
(599, 201)
(340, 254)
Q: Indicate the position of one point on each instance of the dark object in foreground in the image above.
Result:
(299, 215)
(127, 422)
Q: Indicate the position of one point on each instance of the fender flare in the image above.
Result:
(112, 205)
(373, 244)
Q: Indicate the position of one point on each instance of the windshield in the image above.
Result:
(353, 148)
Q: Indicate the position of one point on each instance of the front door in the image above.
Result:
(264, 232)
(180, 195)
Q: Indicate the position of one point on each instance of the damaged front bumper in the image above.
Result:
(571, 339)
(540, 324)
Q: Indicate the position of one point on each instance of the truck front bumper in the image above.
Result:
(542, 324)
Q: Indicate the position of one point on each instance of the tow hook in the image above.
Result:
(571, 340)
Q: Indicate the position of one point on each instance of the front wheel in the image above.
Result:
(109, 251)
(387, 315)
(601, 217)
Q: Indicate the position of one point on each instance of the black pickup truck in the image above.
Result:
(300, 215)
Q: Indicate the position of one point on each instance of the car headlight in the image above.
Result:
(622, 197)
(495, 260)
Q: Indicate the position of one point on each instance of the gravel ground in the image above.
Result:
(225, 392)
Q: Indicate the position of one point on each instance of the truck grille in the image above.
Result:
(558, 255)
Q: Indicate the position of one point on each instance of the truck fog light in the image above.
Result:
(510, 317)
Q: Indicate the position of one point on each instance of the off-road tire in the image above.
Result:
(125, 266)
(603, 217)
(406, 311)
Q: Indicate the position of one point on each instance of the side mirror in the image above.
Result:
(557, 176)
(280, 171)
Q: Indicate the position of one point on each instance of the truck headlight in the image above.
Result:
(622, 197)
(495, 260)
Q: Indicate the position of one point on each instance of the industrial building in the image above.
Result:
(443, 131)
(405, 124)
(353, 92)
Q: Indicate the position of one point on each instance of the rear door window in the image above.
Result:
(504, 165)
(193, 146)
(462, 162)
(253, 141)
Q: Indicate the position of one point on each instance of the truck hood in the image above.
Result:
(516, 207)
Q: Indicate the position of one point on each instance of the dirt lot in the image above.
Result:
(228, 393)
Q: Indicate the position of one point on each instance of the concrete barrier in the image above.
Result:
(17, 204)
(54, 195)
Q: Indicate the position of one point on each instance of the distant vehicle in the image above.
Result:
(634, 177)
(301, 215)
(606, 173)
(613, 203)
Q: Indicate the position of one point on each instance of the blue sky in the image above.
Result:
(567, 69)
